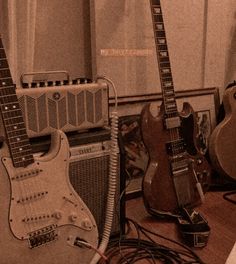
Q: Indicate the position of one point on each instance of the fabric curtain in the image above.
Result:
(18, 21)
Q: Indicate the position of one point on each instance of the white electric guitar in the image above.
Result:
(42, 218)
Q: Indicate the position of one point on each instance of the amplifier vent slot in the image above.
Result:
(42, 112)
(32, 114)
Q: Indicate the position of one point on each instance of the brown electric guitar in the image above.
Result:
(222, 143)
(178, 174)
(42, 218)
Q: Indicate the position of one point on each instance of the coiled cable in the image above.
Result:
(113, 170)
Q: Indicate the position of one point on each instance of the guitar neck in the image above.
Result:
(163, 59)
(18, 141)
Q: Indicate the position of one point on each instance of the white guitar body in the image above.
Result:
(41, 215)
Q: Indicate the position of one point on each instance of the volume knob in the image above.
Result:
(73, 217)
(57, 214)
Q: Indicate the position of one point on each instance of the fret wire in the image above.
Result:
(21, 123)
(22, 153)
(12, 117)
(15, 141)
(25, 145)
(20, 161)
(10, 121)
(163, 59)
(15, 134)
(27, 156)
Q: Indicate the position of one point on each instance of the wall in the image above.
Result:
(55, 35)
(128, 25)
(199, 34)
(43, 35)
(220, 44)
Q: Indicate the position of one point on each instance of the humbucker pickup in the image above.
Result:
(172, 122)
(175, 147)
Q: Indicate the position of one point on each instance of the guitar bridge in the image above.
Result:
(42, 236)
(179, 167)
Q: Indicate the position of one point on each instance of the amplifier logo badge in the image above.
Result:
(56, 96)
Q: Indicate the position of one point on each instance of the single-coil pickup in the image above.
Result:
(31, 197)
(179, 167)
(26, 174)
(42, 236)
(172, 122)
(37, 218)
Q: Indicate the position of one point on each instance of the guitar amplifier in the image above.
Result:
(89, 174)
(67, 107)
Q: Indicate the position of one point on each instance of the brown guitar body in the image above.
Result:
(222, 147)
(159, 191)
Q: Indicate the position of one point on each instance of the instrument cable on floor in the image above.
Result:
(229, 194)
(125, 250)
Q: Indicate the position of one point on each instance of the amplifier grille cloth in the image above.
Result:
(69, 108)
(90, 180)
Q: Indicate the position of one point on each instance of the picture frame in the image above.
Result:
(205, 103)
(204, 130)
(136, 155)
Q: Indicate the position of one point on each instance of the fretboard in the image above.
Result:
(17, 139)
(166, 79)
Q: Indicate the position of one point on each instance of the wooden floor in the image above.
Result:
(220, 214)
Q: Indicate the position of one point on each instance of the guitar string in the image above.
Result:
(24, 186)
(6, 116)
(6, 85)
(8, 93)
(24, 183)
(174, 133)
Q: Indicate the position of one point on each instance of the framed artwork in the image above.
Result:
(136, 155)
(204, 130)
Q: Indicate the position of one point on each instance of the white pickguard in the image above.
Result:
(42, 196)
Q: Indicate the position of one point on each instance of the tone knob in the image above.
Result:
(86, 223)
(73, 217)
(57, 214)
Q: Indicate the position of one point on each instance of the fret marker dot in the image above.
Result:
(20, 149)
(3, 83)
(18, 139)
(14, 106)
(23, 158)
(6, 107)
(15, 127)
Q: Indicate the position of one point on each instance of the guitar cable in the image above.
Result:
(113, 170)
(229, 194)
(125, 250)
(128, 250)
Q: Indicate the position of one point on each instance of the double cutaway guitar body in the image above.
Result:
(178, 174)
(176, 167)
(42, 218)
